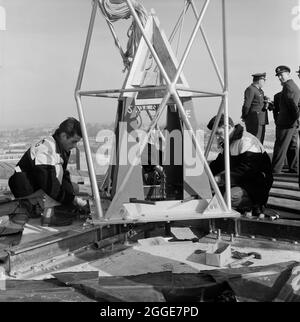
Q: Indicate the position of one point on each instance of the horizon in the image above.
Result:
(271, 125)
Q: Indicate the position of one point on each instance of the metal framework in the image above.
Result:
(172, 90)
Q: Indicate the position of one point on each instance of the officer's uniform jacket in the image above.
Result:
(253, 108)
(289, 105)
(276, 109)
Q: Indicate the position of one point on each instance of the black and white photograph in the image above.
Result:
(149, 154)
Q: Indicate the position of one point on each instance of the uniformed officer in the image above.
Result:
(254, 111)
(291, 159)
(287, 121)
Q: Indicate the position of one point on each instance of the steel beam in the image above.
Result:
(85, 138)
(122, 90)
(226, 112)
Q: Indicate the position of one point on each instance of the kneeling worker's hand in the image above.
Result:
(220, 179)
(79, 202)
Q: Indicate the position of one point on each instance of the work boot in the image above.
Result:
(257, 211)
(32, 211)
(57, 216)
(56, 221)
(19, 218)
(8, 227)
(248, 214)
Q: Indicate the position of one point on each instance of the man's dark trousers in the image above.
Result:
(285, 146)
(256, 129)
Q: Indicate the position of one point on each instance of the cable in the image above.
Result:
(116, 11)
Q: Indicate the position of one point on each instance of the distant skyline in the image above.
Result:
(42, 48)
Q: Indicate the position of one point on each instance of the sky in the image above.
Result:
(41, 49)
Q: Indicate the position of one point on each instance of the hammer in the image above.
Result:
(245, 259)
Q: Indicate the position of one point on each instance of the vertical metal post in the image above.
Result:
(85, 138)
(226, 114)
(88, 154)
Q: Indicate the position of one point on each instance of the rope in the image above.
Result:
(113, 11)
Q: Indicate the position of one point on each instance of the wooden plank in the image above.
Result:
(287, 203)
(291, 186)
(289, 191)
(284, 194)
(285, 175)
(286, 179)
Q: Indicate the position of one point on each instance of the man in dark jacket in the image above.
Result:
(287, 121)
(250, 168)
(254, 111)
(291, 159)
(42, 171)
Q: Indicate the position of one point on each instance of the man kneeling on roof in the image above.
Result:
(250, 168)
(42, 174)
